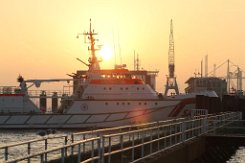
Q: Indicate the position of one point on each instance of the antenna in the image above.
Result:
(115, 55)
(201, 68)
(134, 61)
(206, 66)
(119, 48)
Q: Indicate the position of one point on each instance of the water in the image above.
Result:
(16, 136)
(239, 156)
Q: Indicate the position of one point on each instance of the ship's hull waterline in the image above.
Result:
(104, 115)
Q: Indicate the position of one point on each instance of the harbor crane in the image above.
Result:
(236, 74)
(171, 78)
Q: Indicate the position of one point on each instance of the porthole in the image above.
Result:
(110, 88)
(128, 103)
(156, 103)
(139, 103)
(121, 88)
(106, 103)
(143, 88)
(126, 88)
(117, 103)
(137, 88)
(123, 103)
(84, 107)
(145, 103)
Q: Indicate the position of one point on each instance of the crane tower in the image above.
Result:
(171, 78)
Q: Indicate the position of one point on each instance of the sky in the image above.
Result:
(38, 37)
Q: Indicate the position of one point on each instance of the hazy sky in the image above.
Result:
(38, 37)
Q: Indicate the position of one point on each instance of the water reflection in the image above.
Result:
(239, 156)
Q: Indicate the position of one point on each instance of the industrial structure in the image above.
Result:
(200, 84)
(171, 78)
(231, 83)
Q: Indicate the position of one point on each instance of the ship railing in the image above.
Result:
(9, 90)
(135, 145)
(48, 93)
(35, 93)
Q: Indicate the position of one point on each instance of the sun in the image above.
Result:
(105, 52)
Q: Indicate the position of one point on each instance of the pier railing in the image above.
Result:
(132, 143)
(30, 147)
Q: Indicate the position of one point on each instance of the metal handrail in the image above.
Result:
(31, 141)
(171, 132)
(52, 150)
(7, 148)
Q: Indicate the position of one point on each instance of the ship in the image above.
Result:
(100, 98)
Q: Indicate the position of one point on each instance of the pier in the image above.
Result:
(135, 143)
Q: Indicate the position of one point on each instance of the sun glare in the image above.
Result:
(106, 53)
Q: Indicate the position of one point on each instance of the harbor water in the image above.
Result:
(14, 136)
(239, 156)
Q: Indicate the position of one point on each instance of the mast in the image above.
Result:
(93, 60)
